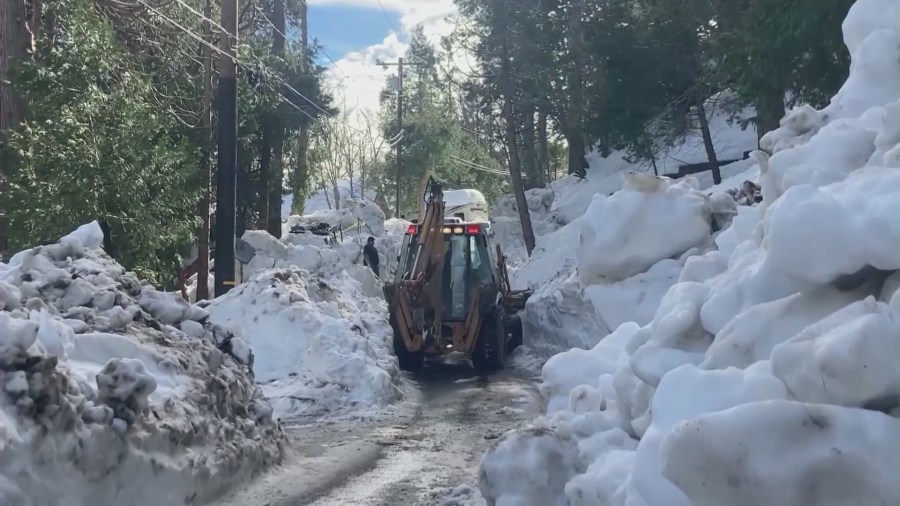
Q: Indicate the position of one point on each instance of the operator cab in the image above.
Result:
(468, 263)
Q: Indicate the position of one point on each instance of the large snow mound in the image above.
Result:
(321, 346)
(767, 373)
(646, 222)
(314, 315)
(112, 389)
(798, 454)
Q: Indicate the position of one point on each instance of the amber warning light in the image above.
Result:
(470, 229)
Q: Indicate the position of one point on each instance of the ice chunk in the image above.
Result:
(10, 296)
(635, 299)
(90, 235)
(685, 393)
(632, 230)
(125, 381)
(16, 334)
(849, 358)
(607, 458)
(169, 307)
(753, 334)
(545, 456)
(783, 452)
(567, 370)
(16, 384)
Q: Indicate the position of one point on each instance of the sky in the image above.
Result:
(357, 33)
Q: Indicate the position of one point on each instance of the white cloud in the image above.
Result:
(356, 78)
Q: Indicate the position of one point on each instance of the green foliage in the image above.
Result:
(771, 47)
(647, 63)
(114, 127)
(97, 147)
(434, 141)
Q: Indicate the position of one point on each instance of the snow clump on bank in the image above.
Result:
(112, 389)
(768, 373)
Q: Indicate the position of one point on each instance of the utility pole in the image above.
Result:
(399, 129)
(206, 127)
(399, 64)
(301, 170)
(226, 177)
(276, 174)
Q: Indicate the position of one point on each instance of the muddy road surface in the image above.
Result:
(415, 454)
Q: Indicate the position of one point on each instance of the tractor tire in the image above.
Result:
(514, 329)
(409, 360)
(490, 348)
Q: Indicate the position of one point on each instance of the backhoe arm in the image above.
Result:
(417, 308)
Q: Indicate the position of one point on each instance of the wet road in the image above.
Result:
(426, 445)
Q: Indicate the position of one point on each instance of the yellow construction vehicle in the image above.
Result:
(451, 292)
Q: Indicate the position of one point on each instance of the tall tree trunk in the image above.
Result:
(543, 152)
(16, 44)
(529, 151)
(349, 166)
(276, 187)
(509, 115)
(708, 143)
(205, 163)
(300, 181)
(337, 192)
(301, 170)
(575, 129)
(265, 169)
(769, 111)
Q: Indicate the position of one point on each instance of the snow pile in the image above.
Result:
(568, 198)
(648, 221)
(352, 213)
(316, 320)
(768, 373)
(327, 259)
(112, 389)
(613, 264)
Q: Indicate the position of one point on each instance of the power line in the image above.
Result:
(475, 165)
(383, 11)
(235, 58)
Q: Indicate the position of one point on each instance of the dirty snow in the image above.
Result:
(321, 346)
(756, 363)
(315, 318)
(105, 397)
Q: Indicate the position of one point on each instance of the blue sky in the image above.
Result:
(344, 29)
(358, 33)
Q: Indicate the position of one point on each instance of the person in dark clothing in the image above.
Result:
(370, 256)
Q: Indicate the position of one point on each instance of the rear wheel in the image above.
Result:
(490, 349)
(409, 360)
(514, 330)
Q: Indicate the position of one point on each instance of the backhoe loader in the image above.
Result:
(451, 292)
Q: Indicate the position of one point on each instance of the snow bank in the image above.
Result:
(767, 373)
(315, 318)
(320, 345)
(798, 454)
(646, 222)
(112, 389)
(359, 219)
